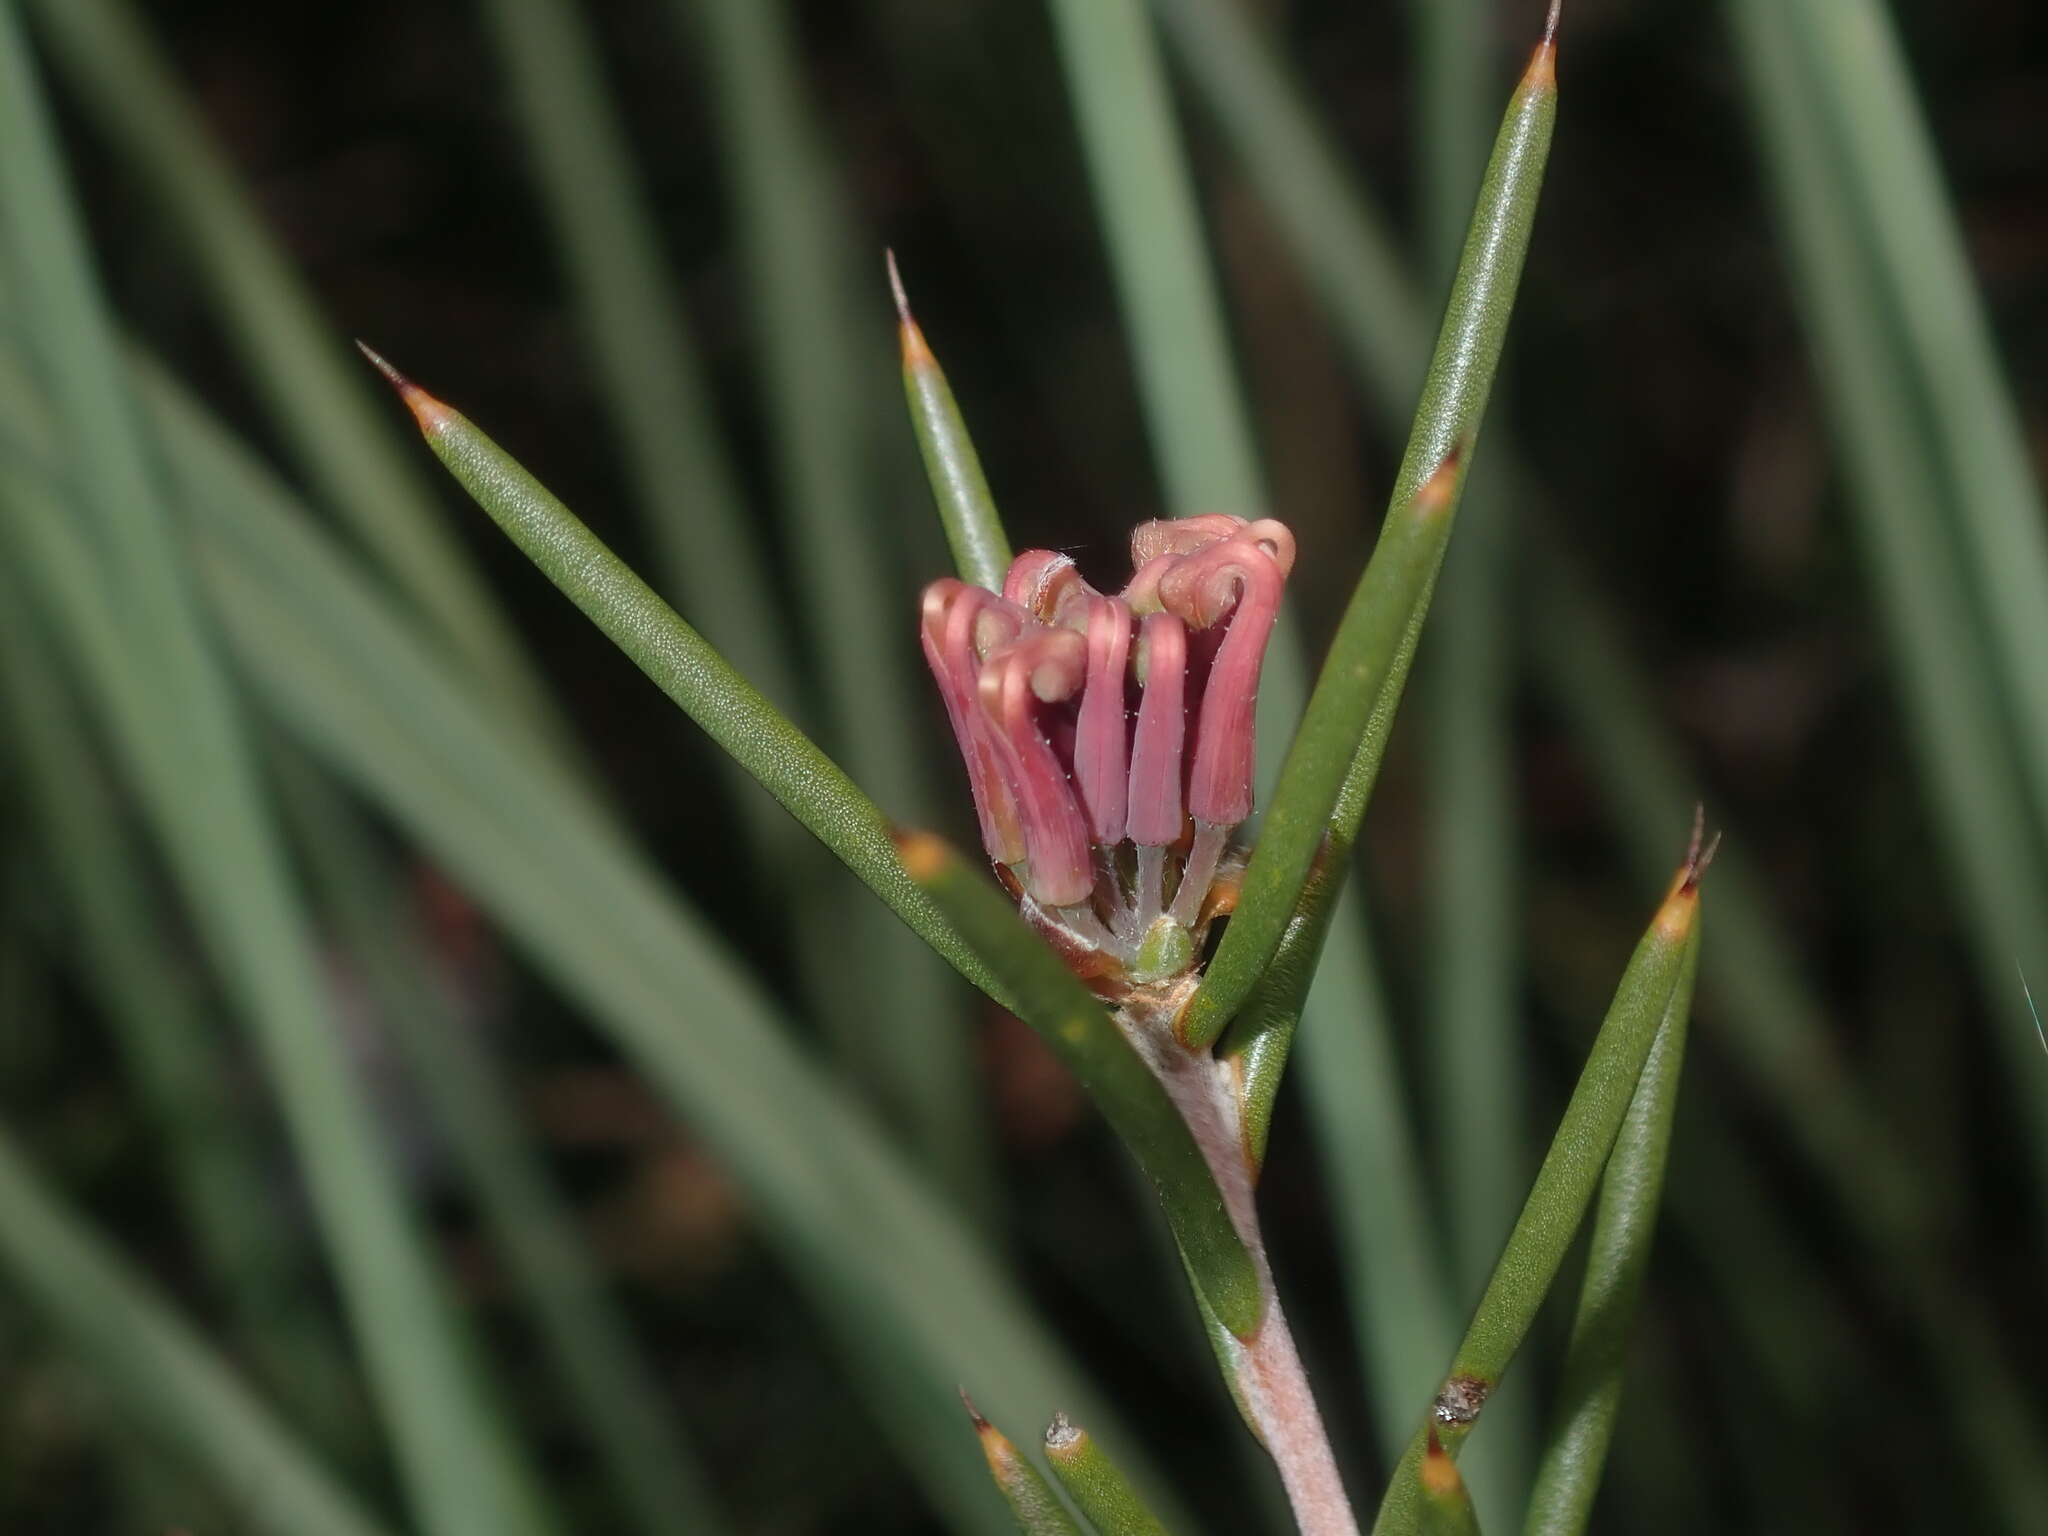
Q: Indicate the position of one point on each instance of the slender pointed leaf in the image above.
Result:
(911, 1296)
(1368, 660)
(787, 764)
(821, 377)
(163, 1371)
(1774, 1019)
(1657, 980)
(1617, 1263)
(1073, 1023)
(974, 529)
(1768, 1012)
(1477, 1067)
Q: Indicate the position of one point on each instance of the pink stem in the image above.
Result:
(1272, 1385)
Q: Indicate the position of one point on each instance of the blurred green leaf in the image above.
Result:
(173, 1052)
(1187, 388)
(117, 590)
(905, 1289)
(1887, 169)
(309, 383)
(709, 557)
(1900, 495)
(619, 1405)
(1477, 1063)
(822, 373)
(160, 1371)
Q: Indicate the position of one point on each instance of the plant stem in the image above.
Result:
(1263, 1367)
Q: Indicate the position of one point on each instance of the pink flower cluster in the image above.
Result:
(1109, 740)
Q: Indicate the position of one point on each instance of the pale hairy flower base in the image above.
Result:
(1264, 1371)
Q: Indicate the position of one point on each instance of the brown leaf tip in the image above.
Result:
(917, 353)
(1460, 1399)
(1541, 74)
(981, 1425)
(1699, 852)
(896, 287)
(430, 413)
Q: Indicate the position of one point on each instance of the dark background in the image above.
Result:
(1658, 382)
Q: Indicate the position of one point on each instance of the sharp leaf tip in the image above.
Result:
(896, 288)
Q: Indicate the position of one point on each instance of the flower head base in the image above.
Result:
(1109, 740)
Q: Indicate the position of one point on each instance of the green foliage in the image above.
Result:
(239, 750)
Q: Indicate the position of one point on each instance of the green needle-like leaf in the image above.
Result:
(164, 1373)
(686, 668)
(325, 411)
(1770, 1016)
(1095, 1483)
(1658, 978)
(1773, 1017)
(1476, 1062)
(1038, 1509)
(1617, 1261)
(1327, 774)
(822, 369)
(117, 586)
(1074, 1024)
(131, 961)
(913, 1300)
(1147, 207)
(974, 529)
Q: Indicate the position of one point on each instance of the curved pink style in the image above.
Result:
(1238, 581)
(1155, 816)
(1040, 685)
(1040, 666)
(1101, 757)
